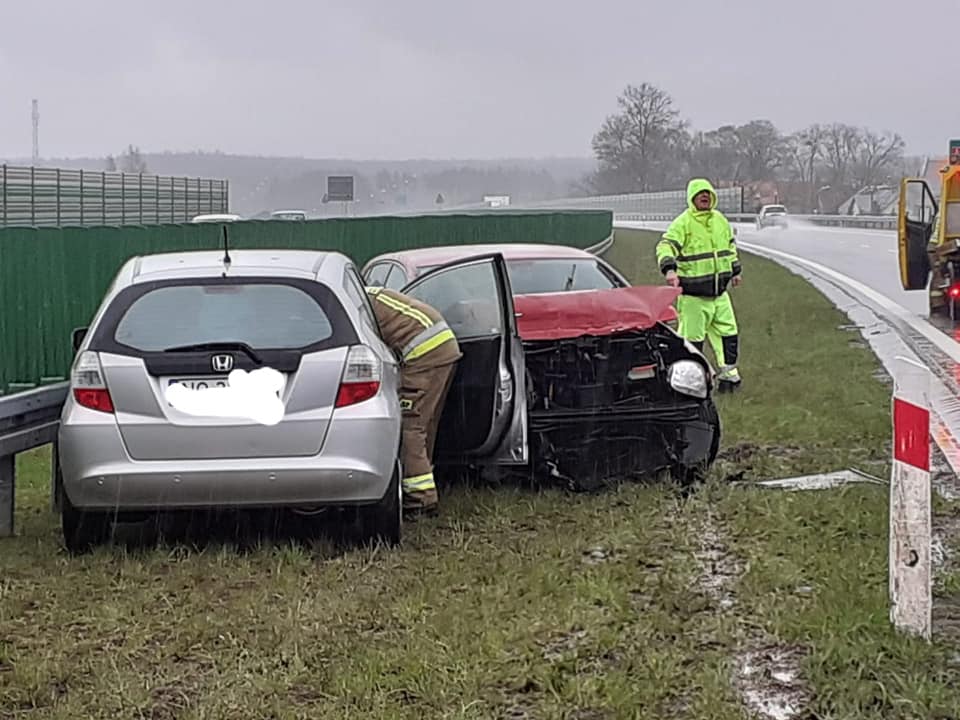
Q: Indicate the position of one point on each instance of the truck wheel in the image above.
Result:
(383, 520)
(82, 530)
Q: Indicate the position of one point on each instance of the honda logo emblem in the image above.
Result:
(222, 363)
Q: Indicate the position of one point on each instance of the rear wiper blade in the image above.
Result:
(242, 346)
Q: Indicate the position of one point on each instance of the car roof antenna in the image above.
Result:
(226, 252)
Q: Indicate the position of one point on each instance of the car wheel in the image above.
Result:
(383, 520)
(82, 530)
(687, 475)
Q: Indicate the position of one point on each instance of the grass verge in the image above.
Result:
(511, 604)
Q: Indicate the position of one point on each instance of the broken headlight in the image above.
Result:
(688, 377)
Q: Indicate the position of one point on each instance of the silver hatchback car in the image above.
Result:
(191, 318)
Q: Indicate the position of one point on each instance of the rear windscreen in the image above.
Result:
(776, 209)
(261, 315)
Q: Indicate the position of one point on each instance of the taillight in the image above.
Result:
(954, 291)
(361, 377)
(89, 387)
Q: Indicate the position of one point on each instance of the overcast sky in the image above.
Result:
(391, 79)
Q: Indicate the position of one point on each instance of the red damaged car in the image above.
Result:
(568, 371)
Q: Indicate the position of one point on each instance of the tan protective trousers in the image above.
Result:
(423, 392)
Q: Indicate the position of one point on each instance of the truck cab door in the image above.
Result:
(915, 222)
(484, 420)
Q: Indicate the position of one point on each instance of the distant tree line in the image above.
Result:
(647, 146)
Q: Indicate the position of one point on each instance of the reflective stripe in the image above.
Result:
(675, 243)
(729, 372)
(423, 336)
(704, 256)
(431, 344)
(405, 309)
(419, 483)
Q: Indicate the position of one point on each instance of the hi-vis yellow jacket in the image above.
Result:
(699, 246)
(413, 329)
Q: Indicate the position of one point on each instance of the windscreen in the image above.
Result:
(263, 316)
(776, 209)
(529, 277)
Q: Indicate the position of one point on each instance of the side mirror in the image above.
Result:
(77, 337)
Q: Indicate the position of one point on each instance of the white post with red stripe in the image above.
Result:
(911, 594)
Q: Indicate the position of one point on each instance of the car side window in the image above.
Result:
(377, 274)
(467, 296)
(359, 296)
(397, 279)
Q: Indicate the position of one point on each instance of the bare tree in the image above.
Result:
(878, 157)
(637, 147)
(761, 149)
(611, 146)
(714, 154)
(841, 144)
(646, 146)
(804, 151)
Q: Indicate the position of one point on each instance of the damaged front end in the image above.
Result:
(602, 408)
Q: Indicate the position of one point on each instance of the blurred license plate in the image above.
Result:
(199, 383)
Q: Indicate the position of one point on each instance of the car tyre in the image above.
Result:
(688, 475)
(383, 520)
(82, 529)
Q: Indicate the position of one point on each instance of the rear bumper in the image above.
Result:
(355, 466)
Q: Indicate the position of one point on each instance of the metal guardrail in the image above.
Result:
(874, 222)
(28, 420)
(43, 197)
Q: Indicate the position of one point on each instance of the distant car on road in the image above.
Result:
(216, 218)
(294, 215)
(772, 216)
(599, 385)
(125, 451)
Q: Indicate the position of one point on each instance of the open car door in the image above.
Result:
(917, 210)
(484, 420)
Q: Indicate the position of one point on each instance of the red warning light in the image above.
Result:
(954, 291)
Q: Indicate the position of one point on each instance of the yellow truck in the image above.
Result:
(928, 237)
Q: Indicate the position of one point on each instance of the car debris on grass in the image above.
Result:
(628, 603)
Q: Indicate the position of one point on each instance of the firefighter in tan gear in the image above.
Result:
(429, 352)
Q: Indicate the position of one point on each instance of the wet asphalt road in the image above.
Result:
(868, 256)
